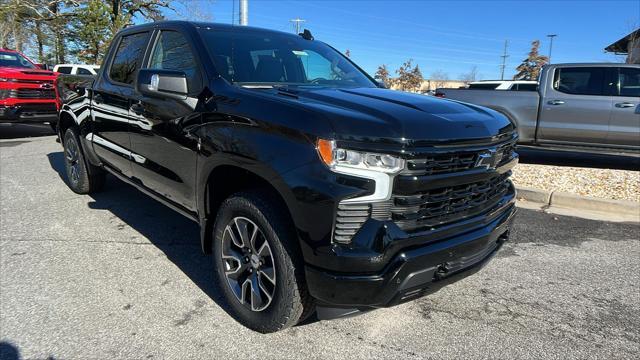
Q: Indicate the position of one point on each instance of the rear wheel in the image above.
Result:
(258, 267)
(82, 177)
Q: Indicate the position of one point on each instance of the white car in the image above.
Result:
(514, 85)
(75, 69)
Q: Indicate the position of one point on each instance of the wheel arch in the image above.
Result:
(66, 120)
(225, 180)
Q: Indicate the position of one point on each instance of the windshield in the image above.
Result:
(12, 59)
(272, 59)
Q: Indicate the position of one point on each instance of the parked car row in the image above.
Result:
(28, 90)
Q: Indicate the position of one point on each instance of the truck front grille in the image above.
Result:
(445, 205)
(455, 161)
(26, 93)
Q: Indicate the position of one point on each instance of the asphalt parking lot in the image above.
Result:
(117, 275)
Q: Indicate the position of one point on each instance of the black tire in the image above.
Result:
(290, 301)
(82, 177)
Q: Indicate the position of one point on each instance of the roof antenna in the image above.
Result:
(306, 34)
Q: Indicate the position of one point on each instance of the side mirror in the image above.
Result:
(162, 83)
(381, 84)
(43, 66)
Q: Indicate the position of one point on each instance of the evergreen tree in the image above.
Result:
(531, 66)
(92, 31)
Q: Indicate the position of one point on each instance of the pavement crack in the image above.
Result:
(188, 316)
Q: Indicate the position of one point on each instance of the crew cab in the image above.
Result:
(77, 69)
(586, 107)
(314, 188)
(27, 92)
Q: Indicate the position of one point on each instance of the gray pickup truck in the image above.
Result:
(593, 107)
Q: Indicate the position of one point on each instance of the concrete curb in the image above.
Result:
(572, 201)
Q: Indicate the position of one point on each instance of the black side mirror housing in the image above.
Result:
(381, 84)
(162, 83)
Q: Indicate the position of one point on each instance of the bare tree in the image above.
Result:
(194, 10)
(470, 76)
(439, 78)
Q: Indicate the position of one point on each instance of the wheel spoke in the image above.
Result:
(264, 290)
(268, 273)
(246, 289)
(233, 262)
(264, 250)
(254, 235)
(74, 173)
(234, 239)
(256, 296)
(241, 226)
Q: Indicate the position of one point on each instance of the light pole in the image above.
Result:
(551, 36)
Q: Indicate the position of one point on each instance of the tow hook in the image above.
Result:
(442, 270)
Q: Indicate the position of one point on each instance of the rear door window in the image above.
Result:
(128, 58)
(629, 82)
(580, 81)
(487, 86)
(83, 71)
(527, 87)
(64, 69)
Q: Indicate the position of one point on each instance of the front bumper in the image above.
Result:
(416, 270)
(29, 112)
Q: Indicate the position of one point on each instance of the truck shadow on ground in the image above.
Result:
(530, 155)
(176, 236)
(15, 130)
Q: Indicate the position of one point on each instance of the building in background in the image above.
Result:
(628, 45)
(431, 85)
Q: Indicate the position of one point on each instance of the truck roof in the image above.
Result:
(593, 64)
(199, 25)
(504, 82)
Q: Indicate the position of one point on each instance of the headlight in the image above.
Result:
(337, 158)
(380, 168)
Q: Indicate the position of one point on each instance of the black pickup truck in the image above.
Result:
(315, 188)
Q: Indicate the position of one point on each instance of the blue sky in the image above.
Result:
(451, 36)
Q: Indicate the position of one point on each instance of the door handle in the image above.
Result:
(555, 102)
(625, 105)
(137, 109)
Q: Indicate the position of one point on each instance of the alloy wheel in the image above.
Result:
(248, 264)
(72, 158)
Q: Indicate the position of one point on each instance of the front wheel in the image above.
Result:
(258, 265)
(80, 178)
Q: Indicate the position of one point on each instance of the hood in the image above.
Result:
(23, 73)
(365, 114)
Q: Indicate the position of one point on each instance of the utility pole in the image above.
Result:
(244, 12)
(551, 36)
(504, 59)
(297, 22)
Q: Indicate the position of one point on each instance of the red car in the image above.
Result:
(27, 92)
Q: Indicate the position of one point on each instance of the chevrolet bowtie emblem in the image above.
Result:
(489, 159)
